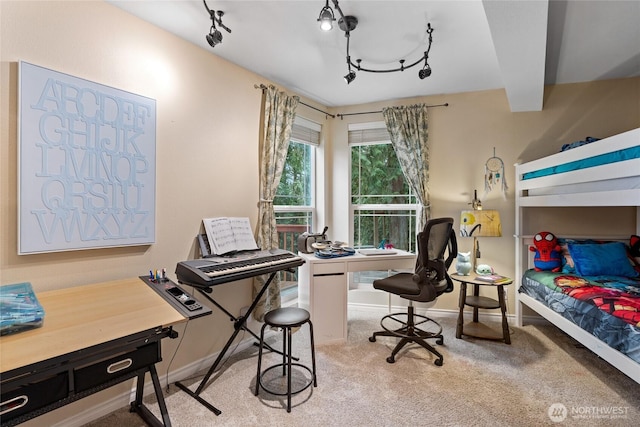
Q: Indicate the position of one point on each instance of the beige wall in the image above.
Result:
(464, 134)
(208, 115)
(207, 159)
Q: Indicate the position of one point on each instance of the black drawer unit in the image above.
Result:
(104, 371)
(33, 390)
(25, 398)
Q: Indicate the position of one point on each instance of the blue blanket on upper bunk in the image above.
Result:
(601, 159)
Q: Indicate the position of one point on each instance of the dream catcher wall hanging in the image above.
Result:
(494, 175)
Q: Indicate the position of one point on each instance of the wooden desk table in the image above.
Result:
(93, 337)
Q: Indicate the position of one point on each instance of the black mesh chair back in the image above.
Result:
(436, 240)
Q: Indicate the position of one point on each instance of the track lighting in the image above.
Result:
(214, 37)
(326, 18)
(347, 24)
(350, 77)
(425, 72)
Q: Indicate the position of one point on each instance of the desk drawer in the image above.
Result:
(329, 269)
(105, 370)
(33, 396)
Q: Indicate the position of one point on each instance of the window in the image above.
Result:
(294, 203)
(383, 205)
(295, 198)
(295, 195)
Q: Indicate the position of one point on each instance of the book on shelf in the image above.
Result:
(493, 278)
(229, 234)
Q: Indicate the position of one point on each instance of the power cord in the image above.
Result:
(176, 352)
(224, 362)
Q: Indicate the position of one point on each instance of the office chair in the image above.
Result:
(425, 284)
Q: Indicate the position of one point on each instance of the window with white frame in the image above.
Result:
(294, 203)
(383, 206)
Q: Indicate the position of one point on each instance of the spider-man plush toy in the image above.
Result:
(634, 251)
(634, 245)
(548, 256)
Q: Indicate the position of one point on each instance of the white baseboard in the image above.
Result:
(97, 411)
(123, 400)
(436, 312)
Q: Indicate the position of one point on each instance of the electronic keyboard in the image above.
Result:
(218, 270)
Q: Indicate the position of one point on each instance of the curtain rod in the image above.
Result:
(263, 88)
(446, 104)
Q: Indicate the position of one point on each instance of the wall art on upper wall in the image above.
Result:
(87, 164)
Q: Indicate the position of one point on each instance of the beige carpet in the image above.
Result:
(482, 383)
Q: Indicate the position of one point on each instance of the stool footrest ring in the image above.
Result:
(280, 365)
(409, 327)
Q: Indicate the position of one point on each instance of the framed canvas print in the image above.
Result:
(86, 164)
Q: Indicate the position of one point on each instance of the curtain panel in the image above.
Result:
(407, 126)
(279, 113)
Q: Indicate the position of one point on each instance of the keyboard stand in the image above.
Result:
(239, 323)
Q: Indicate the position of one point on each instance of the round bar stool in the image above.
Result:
(286, 318)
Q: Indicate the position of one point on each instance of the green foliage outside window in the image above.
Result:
(377, 179)
(295, 184)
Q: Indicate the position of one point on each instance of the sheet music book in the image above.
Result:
(229, 234)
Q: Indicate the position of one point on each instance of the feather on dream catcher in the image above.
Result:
(494, 175)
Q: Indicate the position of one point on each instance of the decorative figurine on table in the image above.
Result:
(463, 263)
(547, 249)
(484, 270)
(385, 244)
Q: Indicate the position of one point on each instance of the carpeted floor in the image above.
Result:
(482, 383)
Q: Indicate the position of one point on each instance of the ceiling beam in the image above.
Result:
(519, 32)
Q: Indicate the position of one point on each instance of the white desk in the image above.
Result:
(323, 286)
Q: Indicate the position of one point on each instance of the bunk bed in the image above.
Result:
(603, 173)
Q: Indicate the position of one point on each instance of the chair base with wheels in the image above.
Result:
(286, 318)
(411, 331)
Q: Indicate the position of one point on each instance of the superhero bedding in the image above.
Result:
(606, 306)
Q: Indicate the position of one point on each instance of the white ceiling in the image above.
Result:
(518, 45)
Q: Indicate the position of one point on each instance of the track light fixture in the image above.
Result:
(326, 18)
(348, 23)
(214, 37)
(425, 72)
(350, 77)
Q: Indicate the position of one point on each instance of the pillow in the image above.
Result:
(605, 259)
(567, 262)
(568, 267)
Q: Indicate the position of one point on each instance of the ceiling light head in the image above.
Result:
(425, 72)
(214, 37)
(326, 18)
(350, 77)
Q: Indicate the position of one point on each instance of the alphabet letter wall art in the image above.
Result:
(87, 164)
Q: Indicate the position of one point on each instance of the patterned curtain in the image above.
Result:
(279, 112)
(409, 133)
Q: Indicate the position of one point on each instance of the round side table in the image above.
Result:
(475, 328)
